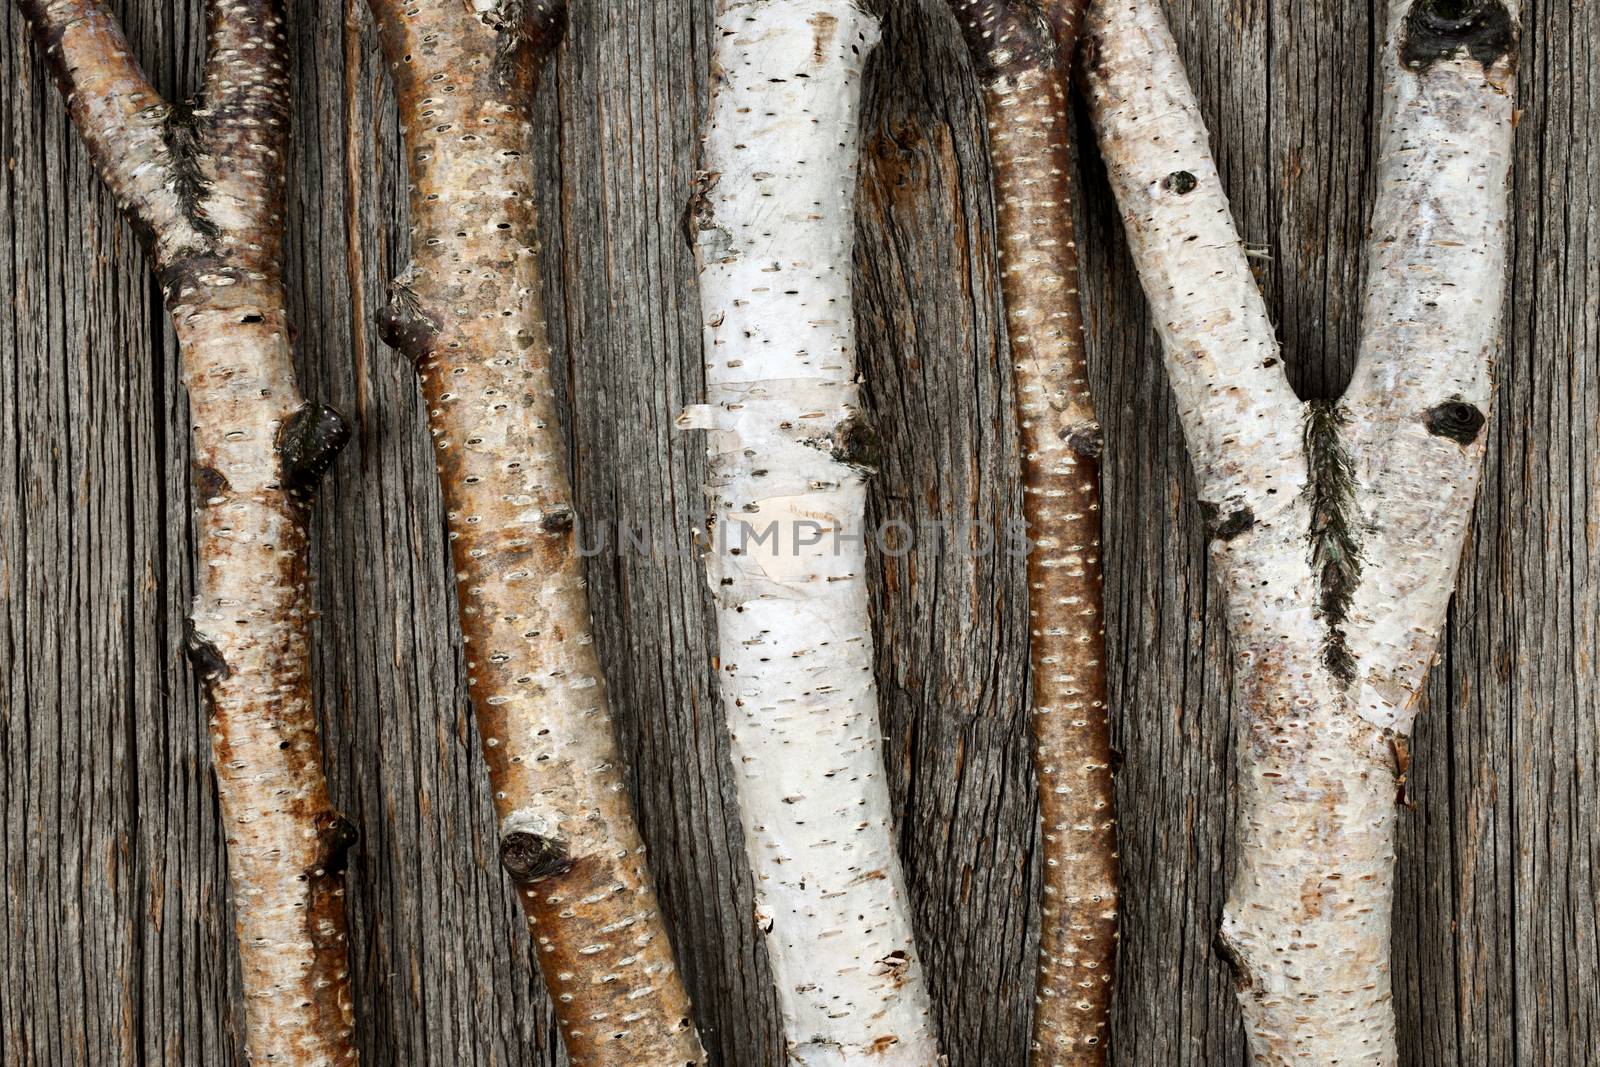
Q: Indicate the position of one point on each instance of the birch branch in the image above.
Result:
(1337, 596)
(772, 225)
(468, 311)
(259, 451)
(1023, 54)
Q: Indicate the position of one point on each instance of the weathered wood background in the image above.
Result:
(116, 946)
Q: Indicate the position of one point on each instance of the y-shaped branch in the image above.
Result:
(206, 190)
(468, 311)
(772, 226)
(1338, 538)
(1023, 53)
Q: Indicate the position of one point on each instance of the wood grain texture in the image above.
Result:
(116, 948)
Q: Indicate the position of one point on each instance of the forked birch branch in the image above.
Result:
(468, 311)
(1337, 526)
(772, 225)
(1023, 50)
(203, 182)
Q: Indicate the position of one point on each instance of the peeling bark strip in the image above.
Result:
(1335, 551)
(1331, 644)
(468, 311)
(773, 227)
(204, 183)
(1023, 56)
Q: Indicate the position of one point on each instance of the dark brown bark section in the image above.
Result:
(1022, 52)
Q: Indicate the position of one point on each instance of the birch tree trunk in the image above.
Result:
(772, 224)
(1023, 55)
(203, 182)
(1337, 526)
(468, 311)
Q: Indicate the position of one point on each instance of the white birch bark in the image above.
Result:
(773, 228)
(1336, 525)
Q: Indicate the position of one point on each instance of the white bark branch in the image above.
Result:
(773, 229)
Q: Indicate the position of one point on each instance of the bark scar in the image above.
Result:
(183, 137)
(1402, 771)
(822, 26)
(700, 229)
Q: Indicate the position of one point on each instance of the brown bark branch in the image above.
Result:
(468, 311)
(1023, 52)
(206, 191)
(123, 120)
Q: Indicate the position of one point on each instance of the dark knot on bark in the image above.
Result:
(1455, 419)
(1220, 527)
(528, 31)
(209, 484)
(336, 836)
(1244, 978)
(308, 441)
(1439, 30)
(405, 326)
(1086, 442)
(204, 656)
(557, 519)
(1180, 183)
(1007, 38)
(855, 442)
(529, 857)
